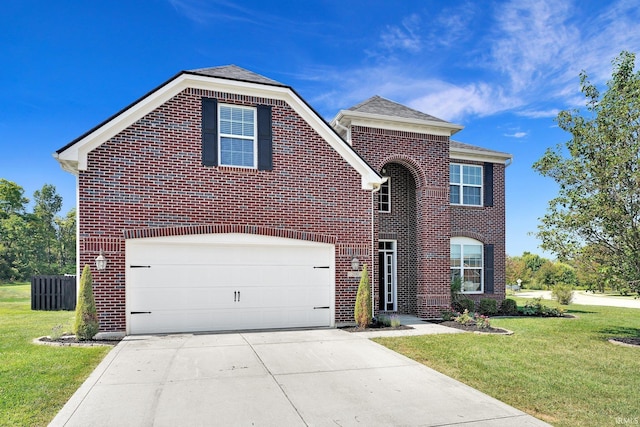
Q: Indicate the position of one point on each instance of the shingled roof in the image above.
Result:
(234, 72)
(385, 107)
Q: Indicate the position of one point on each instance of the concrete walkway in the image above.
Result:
(586, 298)
(324, 377)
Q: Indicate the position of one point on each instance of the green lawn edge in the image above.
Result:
(36, 380)
(560, 370)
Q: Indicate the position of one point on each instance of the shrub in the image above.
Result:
(464, 318)
(563, 293)
(488, 307)
(395, 321)
(86, 324)
(536, 308)
(482, 321)
(448, 315)
(509, 307)
(463, 304)
(383, 319)
(362, 312)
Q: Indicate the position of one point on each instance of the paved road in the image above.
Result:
(584, 298)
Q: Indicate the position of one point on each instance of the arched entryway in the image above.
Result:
(397, 245)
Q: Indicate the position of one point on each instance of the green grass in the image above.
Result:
(560, 370)
(35, 380)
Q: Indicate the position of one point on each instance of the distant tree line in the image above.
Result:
(583, 271)
(36, 241)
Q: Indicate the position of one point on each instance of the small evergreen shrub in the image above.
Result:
(447, 315)
(362, 312)
(488, 307)
(383, 319)
(563, 293)
(463, 304)
(86, 324)
(509, 307)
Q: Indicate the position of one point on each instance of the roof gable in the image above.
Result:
(235, 73)
(382, 106)
(232, 79)
(379, 112)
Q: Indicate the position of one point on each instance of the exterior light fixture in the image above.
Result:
(101, 261)
(355, 264)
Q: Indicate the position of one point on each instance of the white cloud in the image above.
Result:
(528, 63)
(405, 37)
(516, 135)
(539, 114)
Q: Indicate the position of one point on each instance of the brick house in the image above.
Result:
(221, 200)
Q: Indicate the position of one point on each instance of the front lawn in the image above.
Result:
(36, 380)
(560, 370)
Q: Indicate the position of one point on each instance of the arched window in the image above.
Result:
(467, 264)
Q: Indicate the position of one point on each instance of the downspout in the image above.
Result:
(373, 247)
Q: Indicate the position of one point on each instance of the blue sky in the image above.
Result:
(502, 69)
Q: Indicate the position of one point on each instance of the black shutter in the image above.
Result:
(488, 269)
(488, 184)
(265, 155)
(209, 132)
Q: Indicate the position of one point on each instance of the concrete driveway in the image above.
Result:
(284, 378)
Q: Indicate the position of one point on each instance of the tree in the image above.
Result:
(47, 204)
(362, 312)
(12, 200)
(86, 323)
(598, 173)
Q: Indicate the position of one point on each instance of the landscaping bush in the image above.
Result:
(362, 312)
(86, 324)
(536, 308)
(563, 293)
(447, 315)
(488, 307)
(462, 304)
(509, 307)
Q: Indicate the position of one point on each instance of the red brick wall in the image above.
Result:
(150, 176)
(486, 224)
(427, 158)
(400, 225)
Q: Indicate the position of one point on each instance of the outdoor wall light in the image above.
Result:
(101, 261)
(355, 264)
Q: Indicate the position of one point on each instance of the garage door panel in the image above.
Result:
(166, 254)
(208, 284)
(149, 299)
(171, 276)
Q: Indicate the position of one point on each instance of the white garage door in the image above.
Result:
(217, 282)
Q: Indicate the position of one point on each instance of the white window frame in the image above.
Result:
(385, 185)
(253, 139)
(461, 185)
(462, 242)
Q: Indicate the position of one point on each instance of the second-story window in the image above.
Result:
(465, 184)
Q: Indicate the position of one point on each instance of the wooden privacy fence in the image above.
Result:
(53, 293)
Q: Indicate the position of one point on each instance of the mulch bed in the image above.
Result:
(628, 341)
(471, 327)
(72, 341)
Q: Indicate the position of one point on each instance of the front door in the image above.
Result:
(387, 274)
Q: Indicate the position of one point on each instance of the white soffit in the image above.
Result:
(432, 127)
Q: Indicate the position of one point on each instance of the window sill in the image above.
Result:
(237, 169)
